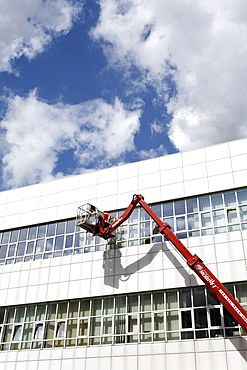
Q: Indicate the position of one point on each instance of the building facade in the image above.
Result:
(71, 300)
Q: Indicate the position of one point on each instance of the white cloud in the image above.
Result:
(201, 44)
(27, 26)
(153, 153)
(156, 128)
(36, 133)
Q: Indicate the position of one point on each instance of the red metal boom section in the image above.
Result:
(193, 261)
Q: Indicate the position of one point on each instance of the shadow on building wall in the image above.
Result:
(114, 271)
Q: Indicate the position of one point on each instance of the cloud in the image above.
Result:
(152, 153)
(36, 133)
(200, 46)
(27, 26)
(156, 127)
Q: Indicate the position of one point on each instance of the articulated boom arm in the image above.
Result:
(193, 261)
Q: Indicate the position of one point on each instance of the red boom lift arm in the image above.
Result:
(105, 228)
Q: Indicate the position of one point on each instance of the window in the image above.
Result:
(178, 314)
(190, 217)
(17, 333)
(60, 332)
(38, 333)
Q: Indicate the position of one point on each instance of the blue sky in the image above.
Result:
(86, 85)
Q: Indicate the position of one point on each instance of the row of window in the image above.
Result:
(203, 215)
(188, 313)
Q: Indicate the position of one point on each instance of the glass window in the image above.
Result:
(120, 325)
(133, 231)
(60, 332)
(200, 317)
(30, 247)
(206, 219)
(40, 313)
(186, 319)
(120, 304)
(89, 239)
(38, 333)
(79, 240)
(172, 321)
(107, 325)
(171, 299)
(228, 320)
(179, 207)
(23, 234)
(230, 199)
(41, 231)
(2, 311)
(133, 303)
(69, 241)
(70, 228)
(232, 216)
(49, 330)
(27, 332)
(21, 249)
(96, 306)
(158, 321)
(243, 213)
(134, 215)
(108, 306)
(62, 310)
(204, 203)
(83, 328)
(145, 302)
(156, 208)
(180, 223)
(60, 227)
(241, 292)
(11, 251)
(242, 196)
(219, 218)
(168, 209)
(71, 328)
(84, 307)
(3, 251)
(217, 201)
(95, 323)
(143, 215)
(144, 229)
(207, 232)
(5, 237)
(51, 311)
(59, 243)
(193, 221)
(145, 323)
(17, 333)
(158, 301)
(30, 313)
(14, 236)
(32, 232)
(170, 222)
(199, 298)
(192, 205)
(215, 316)
(185, 298)
(133, 323)
(39, 246)
(73, 309)
(51, 229)
(20, 312)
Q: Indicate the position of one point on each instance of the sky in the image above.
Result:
(86, 85)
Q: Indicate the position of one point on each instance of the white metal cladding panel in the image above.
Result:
(133, 269)
(205, 354)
